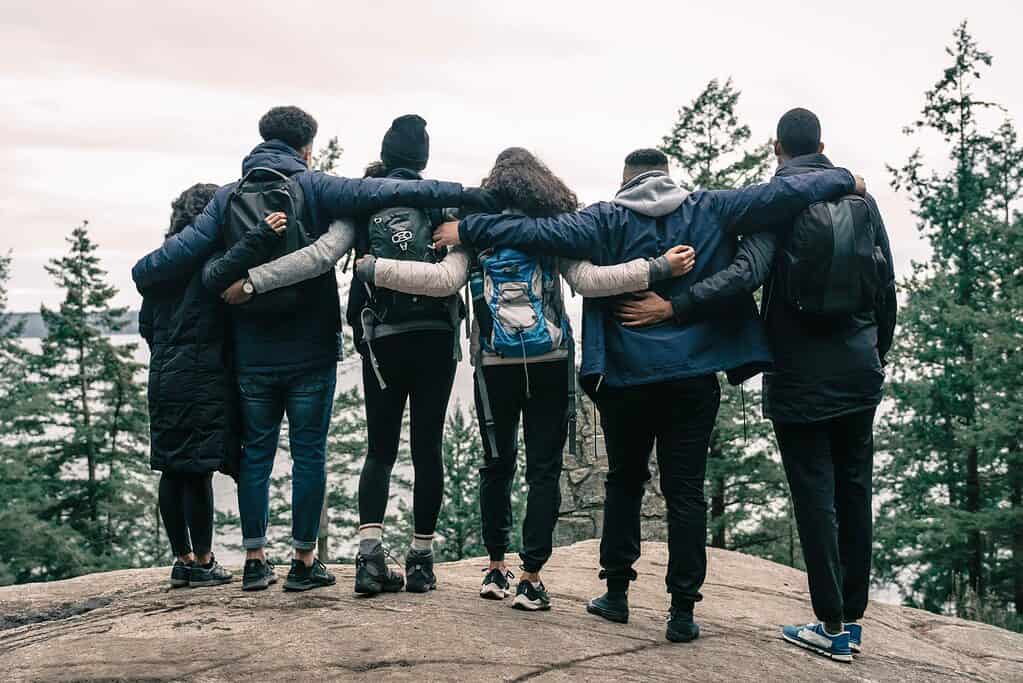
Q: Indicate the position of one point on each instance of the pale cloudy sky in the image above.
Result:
(110, 109)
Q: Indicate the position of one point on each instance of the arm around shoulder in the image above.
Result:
(440, 279)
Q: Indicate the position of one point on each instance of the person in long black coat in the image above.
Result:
(195, 423)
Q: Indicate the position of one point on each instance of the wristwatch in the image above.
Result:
(248, 288)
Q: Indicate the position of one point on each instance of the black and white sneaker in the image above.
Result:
(211, 574)
(180, 573)
(258, 575)
(372, 575)
(531, 598)
(496, 584)
(304, 578)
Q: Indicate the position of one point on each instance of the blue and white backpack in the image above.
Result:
(520, 314)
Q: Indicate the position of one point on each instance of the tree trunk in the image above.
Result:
(976, 549)
(1016, 498)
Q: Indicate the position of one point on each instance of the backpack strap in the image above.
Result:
(488, 415)
(571, 398)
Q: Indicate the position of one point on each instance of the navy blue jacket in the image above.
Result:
(825, 371)
(608, 233)
(309, 336)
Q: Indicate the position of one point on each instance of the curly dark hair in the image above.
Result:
(524, 183)
(290, 125)
(188, 205)
(375, 169)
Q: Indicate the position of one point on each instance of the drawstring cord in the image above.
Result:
(742, 395)
(525, 363)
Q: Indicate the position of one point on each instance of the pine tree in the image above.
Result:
(326, 158)
(951, 439)
(93, 460)
(745, 485)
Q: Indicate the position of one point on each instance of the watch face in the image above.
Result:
(248, 288)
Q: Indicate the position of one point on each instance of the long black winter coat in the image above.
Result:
(194, 418)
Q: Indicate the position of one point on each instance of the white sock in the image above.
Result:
(370, 537)
(422, 542)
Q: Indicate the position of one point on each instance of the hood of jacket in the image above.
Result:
(652, 194)
(276, 155)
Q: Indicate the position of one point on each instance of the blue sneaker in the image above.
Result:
(855, 636)
(813, 637)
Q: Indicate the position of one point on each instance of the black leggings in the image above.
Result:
(186, 505)
(418, 368)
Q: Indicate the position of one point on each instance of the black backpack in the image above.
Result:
(829, 266)
(404, 234)
(260, 192)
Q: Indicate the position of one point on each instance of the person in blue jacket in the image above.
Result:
(286, 363)
(656, 385)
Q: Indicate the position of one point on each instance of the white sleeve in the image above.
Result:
(308, 262)
(593, 281)
(425, 279)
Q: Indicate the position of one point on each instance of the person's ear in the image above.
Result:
(820, 148)
(778, 152)
(307, 153)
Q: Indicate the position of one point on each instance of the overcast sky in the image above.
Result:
(109, 111)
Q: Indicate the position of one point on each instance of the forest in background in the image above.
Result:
(79, 497)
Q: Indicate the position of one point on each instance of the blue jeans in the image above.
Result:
(307, 397)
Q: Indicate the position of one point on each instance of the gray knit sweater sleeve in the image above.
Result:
(309, 262)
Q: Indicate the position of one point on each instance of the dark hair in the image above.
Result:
(799, 132)
(376, 169)
(290, 125)
(188, 205)
(646, 158)
(524, 183)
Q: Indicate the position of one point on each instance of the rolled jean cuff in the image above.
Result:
(254, 543)
(303, 545)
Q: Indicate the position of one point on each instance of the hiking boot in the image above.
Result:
(258, 575)
(496, 584)
(813, 637)
(373, 576)
(303, 578)
(612, 605)
(419, 576)
(532, 598)
(180, 573)
(681, 627)
(855, 637)
(211, 574)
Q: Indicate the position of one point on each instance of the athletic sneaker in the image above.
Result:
(419, 576)
(180, 573)
(855, 636)
(531, 598)
(304, 578)
(372, 575)
(258, 575)
(496, 584)
(613, 606)
(211, 574)
(681, 627)
(813, 637)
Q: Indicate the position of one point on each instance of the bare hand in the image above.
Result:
(861, 185)
(446, 235)
(235, 295)
(681, 258)
(645, 308)
(278, 222)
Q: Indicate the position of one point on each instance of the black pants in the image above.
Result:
(418, 368)
(678, 416)
(186, 506)
(829, 465)
(544, 410)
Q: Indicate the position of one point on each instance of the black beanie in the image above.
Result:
(406, 143)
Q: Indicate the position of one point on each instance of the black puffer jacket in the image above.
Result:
(195, 425)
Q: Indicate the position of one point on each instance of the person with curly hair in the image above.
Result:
(533, 389)
(195, 426)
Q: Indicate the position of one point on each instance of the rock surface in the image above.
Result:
(127, 625)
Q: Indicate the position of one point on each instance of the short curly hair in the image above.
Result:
(291, 125)
(188, 205)
(525, 184)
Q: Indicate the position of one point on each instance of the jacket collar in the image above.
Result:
(804, 163)
(277, 155)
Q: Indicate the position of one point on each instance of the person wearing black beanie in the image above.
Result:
(406, 143)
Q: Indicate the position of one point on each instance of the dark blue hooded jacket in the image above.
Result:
(609, 233)
(307, 337)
